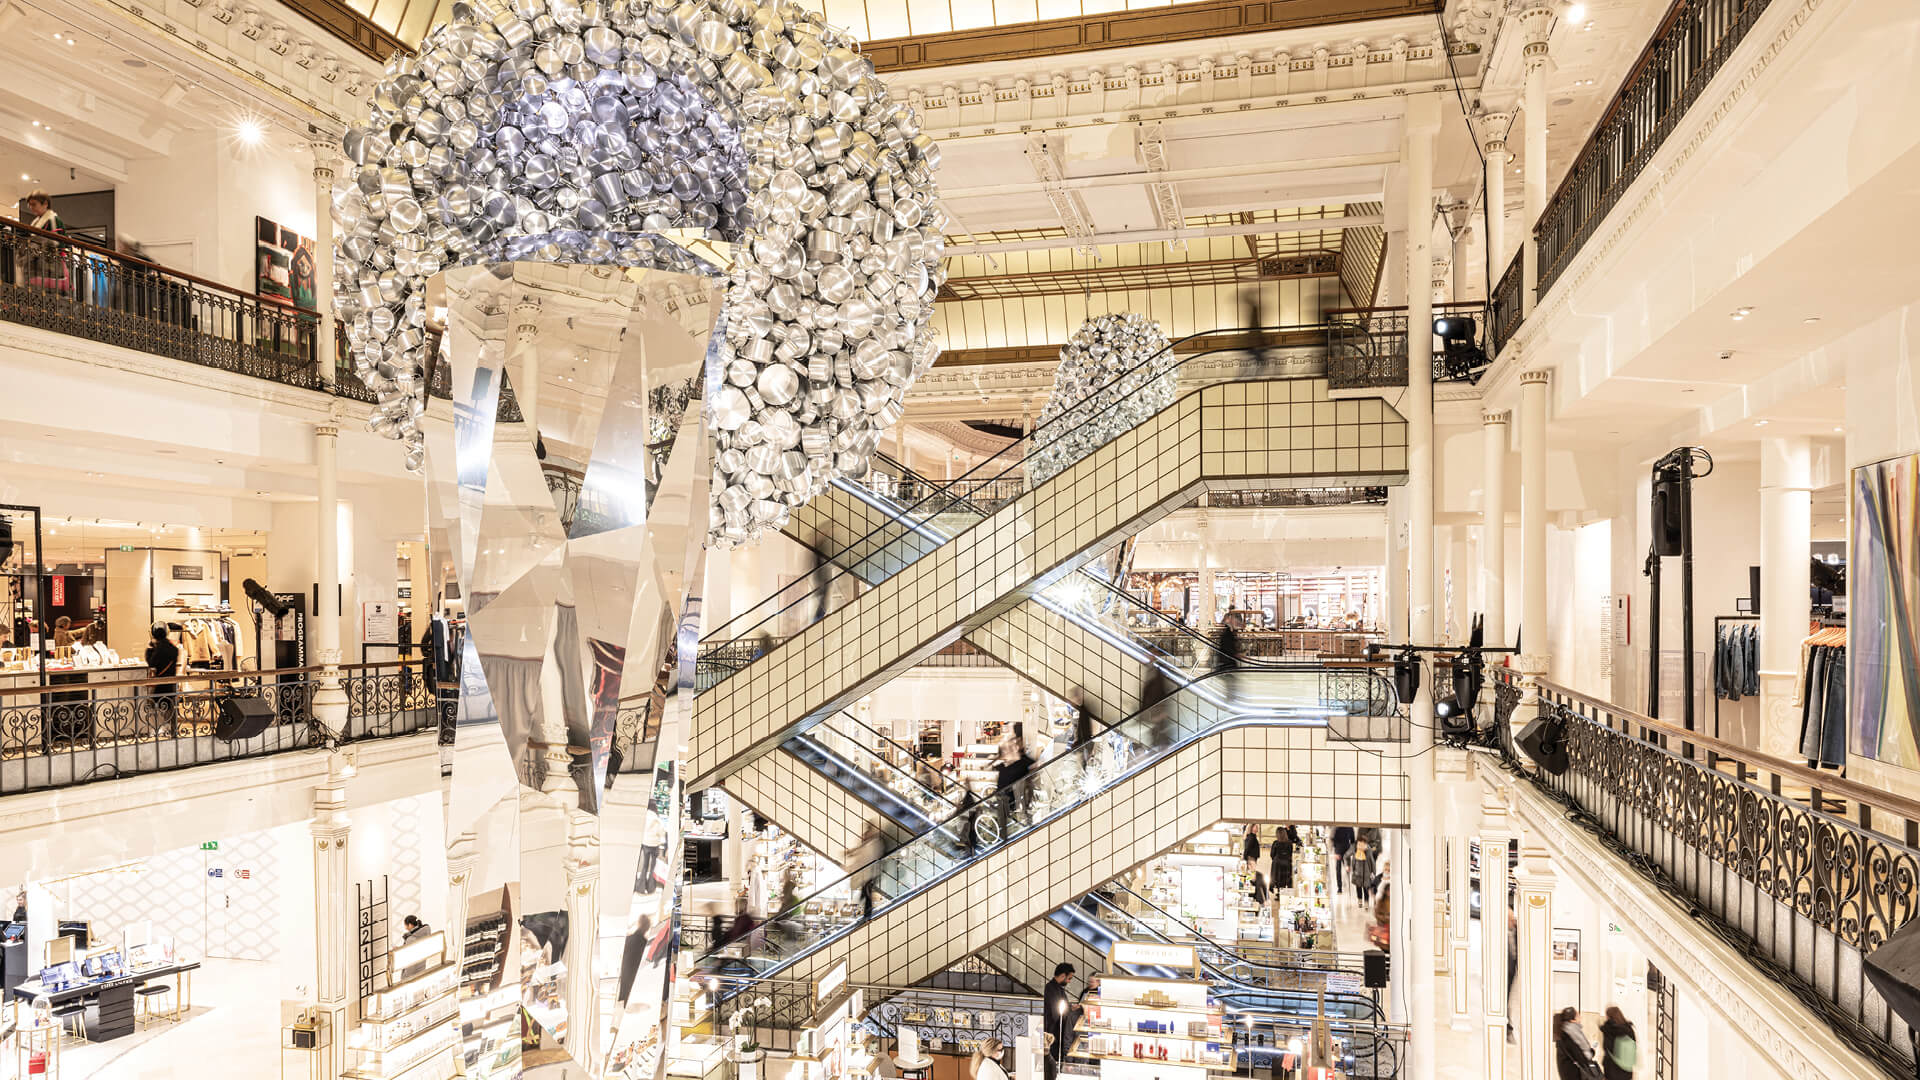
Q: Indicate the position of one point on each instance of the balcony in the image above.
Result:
(70, 731)
(72, 287)
(1367, 347)
(1803, 872)
(1687, 50)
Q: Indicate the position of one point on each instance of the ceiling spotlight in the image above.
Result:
(24, 176)
(1760, 423)
(36, 123)
(1577, 13)
(250, 131)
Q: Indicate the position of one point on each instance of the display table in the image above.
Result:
(114, 1014)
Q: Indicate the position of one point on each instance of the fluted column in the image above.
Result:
(1537, 21)
(463, 857)
(334, 943)
(1495, 831)
(583, 923)
(1423, 123)
(1493, 528)
(329, 701)
(1534, 901)
(1786, 550)
(323, 351)
(1533, 530)
(1493, 142)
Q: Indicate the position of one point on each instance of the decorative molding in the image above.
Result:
(1502, 416)
(1537, 375)
(1765, 1013)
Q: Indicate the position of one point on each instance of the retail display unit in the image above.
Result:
(409, 1029)
(1149, 1028)
(20, 572)
(831, 1047)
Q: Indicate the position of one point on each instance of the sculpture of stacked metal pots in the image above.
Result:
(1115, 372)
(582, 131)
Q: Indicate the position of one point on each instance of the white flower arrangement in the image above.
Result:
(744, 1039)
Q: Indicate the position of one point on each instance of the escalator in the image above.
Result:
(1135, 791)
(939, 588)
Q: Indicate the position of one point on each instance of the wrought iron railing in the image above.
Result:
(72, 287)
(70, 731)
(1367, 347)
(1508, 306)
(1296, 497)
(1688, 49)
(1803, 872)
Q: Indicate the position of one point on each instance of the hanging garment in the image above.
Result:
(1751, 684)
(1823, 700)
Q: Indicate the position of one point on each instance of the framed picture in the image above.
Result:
(1565, 950)
(283, 264)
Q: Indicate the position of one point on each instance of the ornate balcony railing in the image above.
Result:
(1508, 305)
(71, 731)
(1688, 49)
(1296, 497)
(72, 287)
(1367, 347)
(1804, 872)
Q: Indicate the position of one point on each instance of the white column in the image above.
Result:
(1533, 529)
(1396, 618)
(1460, 927)
(329, 701)
(1493, 141)
(463, 857)
(1423, 122)
(323, 352)
(525, 373)
(334, 943)
(1495, 831)
(583, 939)
(1534, 901)
(1493, 529)
(1205, 606)
(1538, 22)
(1786, 548)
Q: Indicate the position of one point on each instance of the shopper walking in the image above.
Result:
(41, 213)
(985, 1064)
(1363, 869)
(1250, 844)
(1342, 844)
(1286, 844)
(1572, 1053)
(1062, 1016)
(1619, 1049)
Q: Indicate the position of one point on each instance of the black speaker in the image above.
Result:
(1374, 964)
(1668, 538)
(243, 718)
(1545, 741)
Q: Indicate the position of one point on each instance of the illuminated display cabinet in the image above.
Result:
(1142, 1027)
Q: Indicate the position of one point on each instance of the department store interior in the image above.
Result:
(843, 539)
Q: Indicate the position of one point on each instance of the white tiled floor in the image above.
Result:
(233, 1031)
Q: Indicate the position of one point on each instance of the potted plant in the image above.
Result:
(747, 1054)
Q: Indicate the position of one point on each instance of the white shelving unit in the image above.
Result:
(409, 1029)
(1143, 1028)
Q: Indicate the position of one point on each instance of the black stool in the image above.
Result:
(153, 1011)
(77, 1012)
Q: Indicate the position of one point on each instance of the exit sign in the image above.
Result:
(126, 547)
(210, 845)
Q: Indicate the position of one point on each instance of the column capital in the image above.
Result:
(325, 153)
(1537, 375)
(326, 431)
(1502, 416)
(1494, 816)
(1535, 873)
(1494, 126)
(1536, 20)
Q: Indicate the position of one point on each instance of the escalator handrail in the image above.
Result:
(955, 826)
(1052, 429)
(1207, 942)
(947, 782)
(811, 733)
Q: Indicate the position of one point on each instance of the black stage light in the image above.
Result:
(1460, 359)
(1455, 712)
(1406, 676)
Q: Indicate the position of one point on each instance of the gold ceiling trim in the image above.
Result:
(1120, 29)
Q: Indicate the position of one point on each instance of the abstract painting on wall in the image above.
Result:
(1883, 638)
(284, 265)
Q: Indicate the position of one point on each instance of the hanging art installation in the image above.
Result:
(582, 132)
(1114, 372)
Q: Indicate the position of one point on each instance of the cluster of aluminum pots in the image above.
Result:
(583, 130)
(1114, 373)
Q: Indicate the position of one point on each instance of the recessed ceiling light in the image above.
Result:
(36, 123)
(24, 176)
(1577, 13)
(1811, 319)
(1686, 389)
(1760, 423)
(1839, 429)
(249, 130)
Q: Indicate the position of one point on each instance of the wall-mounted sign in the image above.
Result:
(830, 984)
(188, 572)
(1565, 954)
(210, 845)
(380, 622)
(59, 590)
(1147, 954)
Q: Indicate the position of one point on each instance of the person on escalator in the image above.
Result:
(863, 866)
(1227, 660)
(1015, 797)
(969, 819)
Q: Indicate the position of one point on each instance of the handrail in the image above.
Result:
(198, 675)
(1825, 782)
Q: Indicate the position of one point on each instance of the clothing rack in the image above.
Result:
(1822, 694)
(1718, 622)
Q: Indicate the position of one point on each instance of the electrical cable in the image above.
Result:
(1473, 139)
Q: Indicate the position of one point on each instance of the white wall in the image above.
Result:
(1579, 577)
(195, 207)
